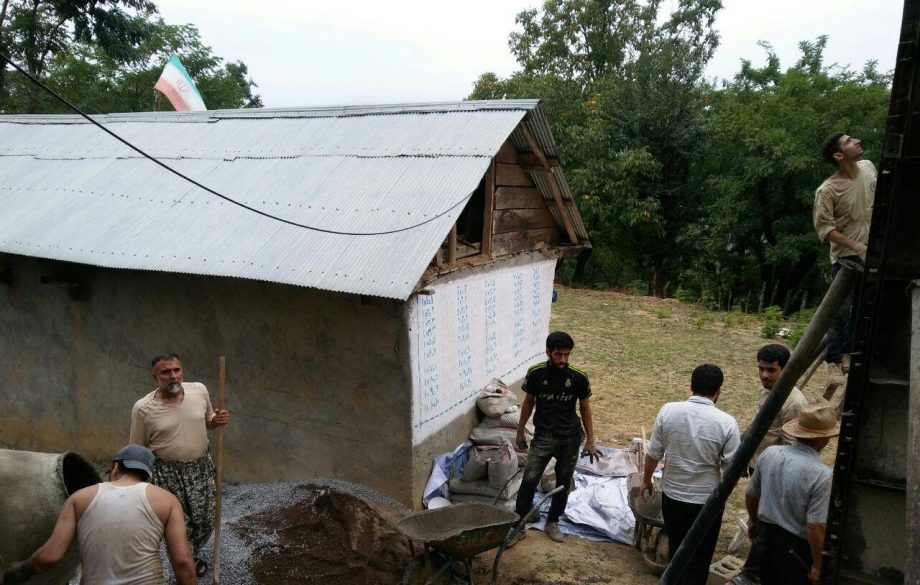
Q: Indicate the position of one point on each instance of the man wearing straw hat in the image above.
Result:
(788, 497)
(172, 421)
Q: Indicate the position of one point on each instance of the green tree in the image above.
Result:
(100, 83)
(761, 167)
(624, 92)
(33, 32)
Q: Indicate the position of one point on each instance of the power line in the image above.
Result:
(137, 149)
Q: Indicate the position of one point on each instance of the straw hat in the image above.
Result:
(815, 421)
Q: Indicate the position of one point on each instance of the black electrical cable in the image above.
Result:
(64, 101)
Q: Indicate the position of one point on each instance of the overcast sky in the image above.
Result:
(309, 53)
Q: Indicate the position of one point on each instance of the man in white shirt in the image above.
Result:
(119, 525)
(696, 440)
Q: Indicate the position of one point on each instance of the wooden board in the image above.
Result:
(518, 198)
(510, 175)
(515, 220)
(507, 153)
(513, 242)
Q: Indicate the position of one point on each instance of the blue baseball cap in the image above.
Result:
(136, 457)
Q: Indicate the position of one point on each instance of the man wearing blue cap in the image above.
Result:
(119, 525)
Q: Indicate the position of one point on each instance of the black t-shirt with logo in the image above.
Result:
(555, 391)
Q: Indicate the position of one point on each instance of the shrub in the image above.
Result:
(664, 313)
(685, 295)
(798, 330)
(771, 319)
(702, 319)
(769, 329)
(637, 287)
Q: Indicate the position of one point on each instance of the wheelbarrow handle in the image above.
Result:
(505, 485)
(523, 521)
(521, 525)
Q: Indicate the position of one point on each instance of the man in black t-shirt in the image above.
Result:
(553, 387)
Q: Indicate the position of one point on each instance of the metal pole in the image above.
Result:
(912, 524)
(802, 357)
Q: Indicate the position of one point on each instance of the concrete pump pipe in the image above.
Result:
(33, 486)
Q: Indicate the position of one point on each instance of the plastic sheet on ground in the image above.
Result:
(445, 467)
(597, 509)
(598, 506)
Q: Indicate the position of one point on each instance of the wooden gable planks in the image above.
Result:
(511, 220)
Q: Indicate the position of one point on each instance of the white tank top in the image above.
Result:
(120, 537)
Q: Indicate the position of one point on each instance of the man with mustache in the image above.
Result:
(172, 421)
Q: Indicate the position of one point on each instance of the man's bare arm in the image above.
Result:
(52, 551)
(650, 465)
(526, 411)
(841, 240)
(753, 505)
(180, 555)
(587, 419)
(815, 535)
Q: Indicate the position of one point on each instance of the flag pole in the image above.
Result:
(220, 468)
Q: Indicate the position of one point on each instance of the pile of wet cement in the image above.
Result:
(327, 532)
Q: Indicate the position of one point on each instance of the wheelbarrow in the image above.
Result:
(650, 536)
(459, 532)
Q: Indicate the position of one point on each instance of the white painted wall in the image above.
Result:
(487, 325)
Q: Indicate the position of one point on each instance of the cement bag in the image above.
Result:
(504, 467)
(509, 420)
(493, 436)
(548, 481)
(477, 466)
(507, 505)
(481, 487)
(496, 399)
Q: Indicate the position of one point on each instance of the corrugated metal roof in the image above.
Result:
(71, 192)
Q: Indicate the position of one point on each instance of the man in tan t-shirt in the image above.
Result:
(119, 525)
(842, 215)
(172, 421)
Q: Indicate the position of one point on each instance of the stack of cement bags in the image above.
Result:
(501, 415)
(488, 473)
(493, 460)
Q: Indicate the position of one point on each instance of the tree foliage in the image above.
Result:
(761, 166)
(106, 57)
(683, 183)
(623, 88)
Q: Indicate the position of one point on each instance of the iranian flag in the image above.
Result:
(179, 88)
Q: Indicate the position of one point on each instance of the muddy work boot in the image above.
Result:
(552, 531)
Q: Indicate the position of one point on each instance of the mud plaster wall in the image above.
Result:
(315, 380)
(483, 324)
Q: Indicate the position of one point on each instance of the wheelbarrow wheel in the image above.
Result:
(423, 567)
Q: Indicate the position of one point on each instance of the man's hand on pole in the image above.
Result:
(221, 418)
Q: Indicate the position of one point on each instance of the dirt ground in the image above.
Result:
(639, 353)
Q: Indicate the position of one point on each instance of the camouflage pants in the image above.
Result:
(192, 482)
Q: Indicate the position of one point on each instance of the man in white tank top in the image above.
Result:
(119, 525)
